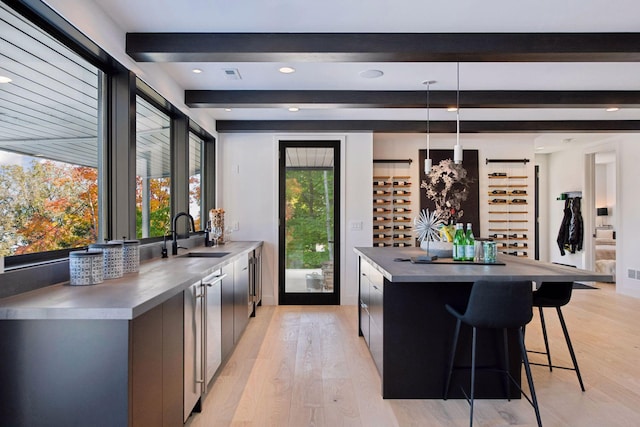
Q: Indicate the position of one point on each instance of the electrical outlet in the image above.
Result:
(631, 274)
(236, 226)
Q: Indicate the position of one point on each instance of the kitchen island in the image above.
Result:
(403, 319)
(114, 354)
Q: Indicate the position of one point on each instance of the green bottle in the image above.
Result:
(470, 241)
(458, 243)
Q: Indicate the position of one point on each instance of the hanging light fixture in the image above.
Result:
(457, 150)
(427, 161)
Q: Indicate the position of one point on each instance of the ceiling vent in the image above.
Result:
(232, 74)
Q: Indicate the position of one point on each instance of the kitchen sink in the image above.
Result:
(204, 255)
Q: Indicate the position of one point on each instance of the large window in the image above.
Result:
(196, 146)
(153, 170)
(51, 117)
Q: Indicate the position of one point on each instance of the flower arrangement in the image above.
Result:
(427, 226)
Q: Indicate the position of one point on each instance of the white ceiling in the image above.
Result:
(393, 16)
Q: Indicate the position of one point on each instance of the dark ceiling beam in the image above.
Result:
(383, 47)
(404, 126)
(409, 99)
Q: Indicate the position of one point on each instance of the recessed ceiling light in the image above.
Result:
(227, 109)
(452, 109)
(371, 74)
(4, 79)
(294, 109)
(287, 70)
(540, 148)
(196, 70)
(612, 109)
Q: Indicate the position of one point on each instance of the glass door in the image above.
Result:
(309, 227)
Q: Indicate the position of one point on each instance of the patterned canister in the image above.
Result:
(130, 255)
(112, 258)
(85, 268)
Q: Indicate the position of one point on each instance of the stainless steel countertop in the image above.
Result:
(515, 269)
(124, 298)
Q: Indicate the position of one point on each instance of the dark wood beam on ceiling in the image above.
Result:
(409, 99)
(403, 126)
(383, 47)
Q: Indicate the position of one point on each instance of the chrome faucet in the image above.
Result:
(174, 231)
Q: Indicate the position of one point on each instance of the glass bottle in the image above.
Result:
(458, 243)
(469, 247)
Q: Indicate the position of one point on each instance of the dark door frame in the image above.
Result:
(308, 298)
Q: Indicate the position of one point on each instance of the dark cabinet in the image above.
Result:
(241, 312)
(376, 299)
(157, 361)
(371, 310)
(364, 301)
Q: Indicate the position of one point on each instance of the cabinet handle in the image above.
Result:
(376, 288)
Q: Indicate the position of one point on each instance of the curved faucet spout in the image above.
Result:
(174, 230)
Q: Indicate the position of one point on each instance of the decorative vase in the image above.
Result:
(438, 248)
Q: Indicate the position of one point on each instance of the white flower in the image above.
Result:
(427, 225)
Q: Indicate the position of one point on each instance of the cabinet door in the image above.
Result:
(157, 363)
(364, 300)
(226, 318)
(376, 327)
(193, 375)
(240, 296)
(214, 329)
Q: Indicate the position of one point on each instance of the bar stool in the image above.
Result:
(555, 295)
(496, 305)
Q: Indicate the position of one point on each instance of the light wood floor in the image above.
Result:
(306, 366)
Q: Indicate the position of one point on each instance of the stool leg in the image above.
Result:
(527, 369)
(451, 359)
(546, 340)
(473, 374)
(573, 355)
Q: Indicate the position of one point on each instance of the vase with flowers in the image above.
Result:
(428, 225)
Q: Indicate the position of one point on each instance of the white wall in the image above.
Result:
(248, 191)
(626, 215)
(91, 20)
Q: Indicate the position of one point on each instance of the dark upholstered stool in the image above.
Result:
(555, 295)
(496, 305)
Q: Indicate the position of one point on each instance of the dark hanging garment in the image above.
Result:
(571, 234)
(576, 226)
(563, 233)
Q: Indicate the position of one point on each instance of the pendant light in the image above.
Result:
(457, 150)
(427, 161)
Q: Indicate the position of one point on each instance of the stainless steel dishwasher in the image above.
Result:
(202, 338)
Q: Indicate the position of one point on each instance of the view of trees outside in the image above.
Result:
(46, 205)
(159, 206)
(309, 195)
(195, 173)
(195, 197)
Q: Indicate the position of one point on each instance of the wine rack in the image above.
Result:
(508, 200)
(392, 211)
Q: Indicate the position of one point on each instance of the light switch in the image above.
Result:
(356, 225)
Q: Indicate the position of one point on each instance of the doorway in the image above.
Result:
(309, 238)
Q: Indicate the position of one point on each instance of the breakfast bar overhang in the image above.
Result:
(403, 319)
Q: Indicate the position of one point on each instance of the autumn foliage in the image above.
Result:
(47, 205)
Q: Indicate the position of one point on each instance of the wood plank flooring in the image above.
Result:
(303, 366)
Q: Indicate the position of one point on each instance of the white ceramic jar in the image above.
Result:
(112, 258)
(85, 268)
(130, 255)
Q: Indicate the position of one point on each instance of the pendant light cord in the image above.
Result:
(428, 83)
(458, 105)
